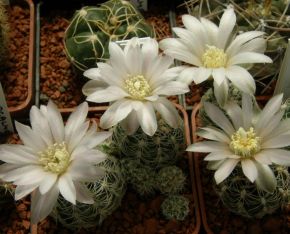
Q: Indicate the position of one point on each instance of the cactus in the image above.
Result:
(107, 193)
(4, 29)
(269, 16)
(170, 180)
(175, 207)
(141, 177)
(164, 148)
(92, 28)
(241, 196)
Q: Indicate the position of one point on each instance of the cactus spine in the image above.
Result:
(175, 207)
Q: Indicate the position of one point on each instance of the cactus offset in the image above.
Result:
(170, 180)
(241, 196)
(175, 207)
(107, 194)
(92, 28)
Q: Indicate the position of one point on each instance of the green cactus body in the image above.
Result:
(142, 155)
(107, 194)
(4, 30)
(241, 196)
(170, 180)
(141, 177)
(92, 28)
(175, 207)
(164, 148)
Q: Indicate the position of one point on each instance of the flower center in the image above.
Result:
(137, 87)
(214, 57)
(55, 158)
(245, 143)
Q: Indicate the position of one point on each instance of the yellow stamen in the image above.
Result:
(138, 87)
(55, 158)
(214, 57)
(245, 143)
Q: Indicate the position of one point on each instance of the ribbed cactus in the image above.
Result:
(140, 176)
(164, 148)
(170, 180)
(241, 196)
(4, 30)
(92, 28)
(269, 16)
(107, 193)
(175, 207)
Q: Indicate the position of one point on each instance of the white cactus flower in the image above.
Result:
(254, 140)
(54, 158)
(136, 80)
(216, 53)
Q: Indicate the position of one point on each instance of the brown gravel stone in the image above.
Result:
(150, 226)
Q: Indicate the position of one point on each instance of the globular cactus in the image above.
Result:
(175, 207)
(107, 194)
(242, 197)
(4, 32)
(92, 28)
(141, 177)
(164, 148)
(170, 180)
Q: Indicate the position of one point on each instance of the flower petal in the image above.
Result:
(266, 179)
(219, 75)
(22, 190)
(83, 172)
(47, 183)
(168, 112)
(17, 154)
(218, 117)
(171, 88)
(93, 74)
(207, 146)
(277, 156)
(249, 57)
(130, 124)
(93, 85)
(225, 170)
(226, 26)
(55, 121)
(42, 205)
(147, 119)
(200, 74)
(249, 169)
(241, 78)
(235, 112)
(83, 195)
(66, 188)
(277, 142)
(212, 133)
(111, 93)
(115, 113)
(221, 92)
(247, 110)
(29, 138)
(220, 155)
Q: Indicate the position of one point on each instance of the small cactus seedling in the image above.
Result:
(241, 196)
(141, 177)
(92, 28)
(175, 207)
(107, 194)
(170, 180)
